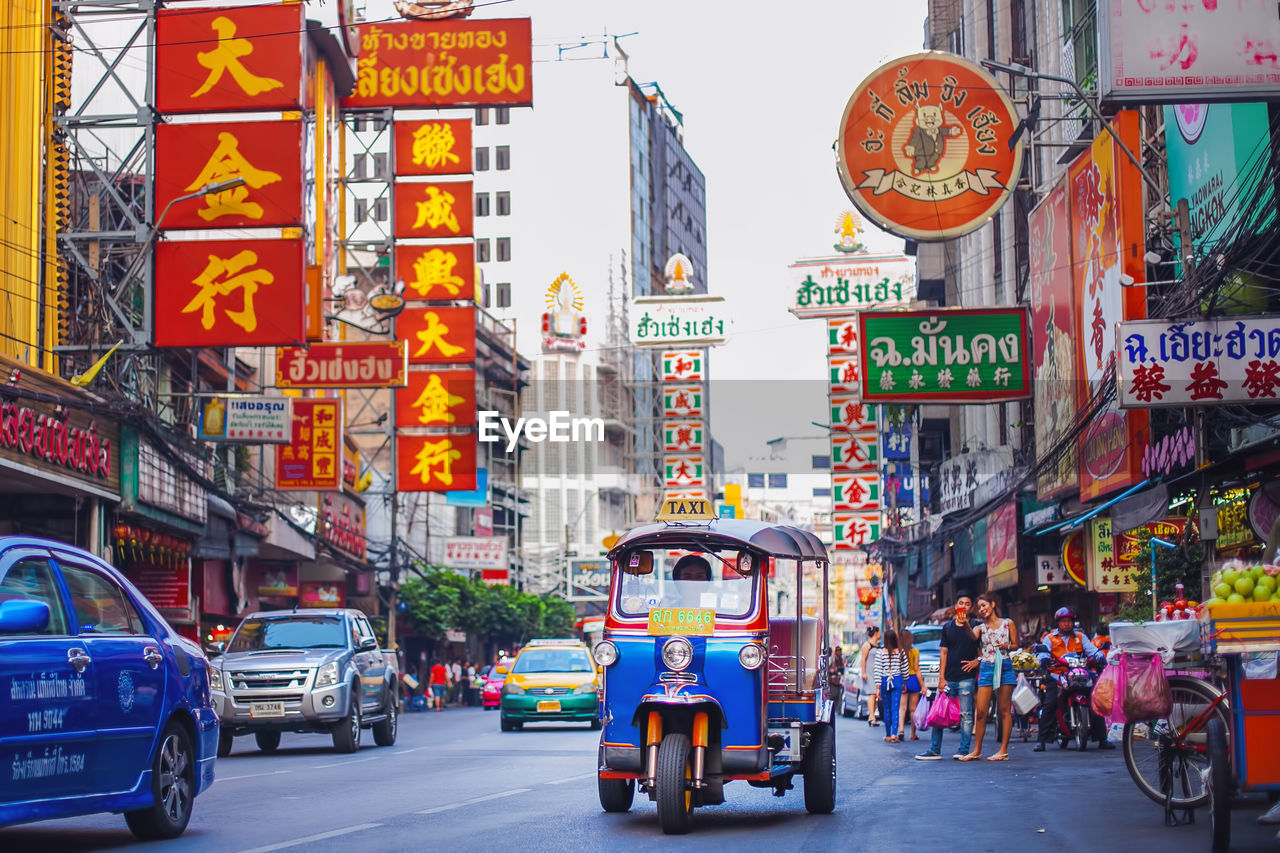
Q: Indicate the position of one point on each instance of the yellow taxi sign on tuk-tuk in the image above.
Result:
(686, 509)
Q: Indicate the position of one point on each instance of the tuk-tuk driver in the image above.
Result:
(691, 567)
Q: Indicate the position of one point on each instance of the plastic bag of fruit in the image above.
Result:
(1146, 689)
(1104, 692)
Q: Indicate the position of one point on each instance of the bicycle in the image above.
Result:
(1167, 757)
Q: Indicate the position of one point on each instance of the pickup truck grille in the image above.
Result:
(269, 697)
(264, 680)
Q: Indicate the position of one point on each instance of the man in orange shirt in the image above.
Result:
(439, 683)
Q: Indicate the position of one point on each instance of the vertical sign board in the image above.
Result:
(440, 271)
(1107, 240)
(444, 209)
(312, 461)
(433, 147)
(435, 463)
(1053, 335)
(1002, 546)
(438, 335)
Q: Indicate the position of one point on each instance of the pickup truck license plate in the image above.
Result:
(266, 709)
(548, 705)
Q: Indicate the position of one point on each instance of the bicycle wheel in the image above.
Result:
(1167, 761)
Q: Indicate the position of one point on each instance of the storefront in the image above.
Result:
(60, 462)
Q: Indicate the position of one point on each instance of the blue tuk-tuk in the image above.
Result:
(715, 656)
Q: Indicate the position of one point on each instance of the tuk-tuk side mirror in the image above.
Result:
(638, 563)
(746, 563)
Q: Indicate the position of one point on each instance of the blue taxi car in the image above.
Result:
(103, 706)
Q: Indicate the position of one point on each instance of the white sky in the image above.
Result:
(762, 88)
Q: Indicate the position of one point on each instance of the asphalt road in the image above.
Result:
(453, 782)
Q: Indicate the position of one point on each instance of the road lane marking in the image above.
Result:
(476, 800)
(572, 778)
(333, 833)
(407, 751)
(251, 775)
(344, 763)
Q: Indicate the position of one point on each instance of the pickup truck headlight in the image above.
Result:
(327, 675)
(590, 687)
(215, 678)
(513, 689)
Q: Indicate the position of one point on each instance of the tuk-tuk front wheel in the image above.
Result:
(820, 771)
(675, 797)
(616, 794)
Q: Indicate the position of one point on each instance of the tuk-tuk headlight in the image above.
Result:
(605, 653)
(677, 654)
(751, 656)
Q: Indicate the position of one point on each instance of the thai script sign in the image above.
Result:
(433, 147)
(312, 460)
(1053, 318)
(341, 523)
(475, 552)
(1150, 52)
(925, 146)
(1201, 362)
(229, 293)
(444, 63)
(835, 287)
(961, 475)
(358, 364)
(443, 271)
(953, 355)
(71, 442)
(1105, 572)
(259, 420)
(588, 580)
(230, 59)
(1050, 571)
(435, 463)
(666, 320)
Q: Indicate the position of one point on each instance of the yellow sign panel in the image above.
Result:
(691, 621)
(686, 509)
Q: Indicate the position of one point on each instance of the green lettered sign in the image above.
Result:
(957, 355)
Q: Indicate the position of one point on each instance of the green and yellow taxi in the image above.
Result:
(552, 680)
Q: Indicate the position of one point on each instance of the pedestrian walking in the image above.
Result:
(997, 638)
(912, 684)
(439, 684)
(957, 677)
(835, 673)
(455, 676)
(889, 671)
(870, 686)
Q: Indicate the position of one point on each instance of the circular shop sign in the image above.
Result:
(923, 147)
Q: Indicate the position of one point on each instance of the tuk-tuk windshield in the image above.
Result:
(678, 578)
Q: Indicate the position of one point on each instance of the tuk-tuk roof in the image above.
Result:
(778, 540)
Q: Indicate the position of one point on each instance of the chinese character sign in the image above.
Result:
(1105, 572)
(441, 271)
(682, 470)
(854, 452)
(850, 414)
(230, 59)
(924, 146)
(439, 334)
(682, 436)
(312, 461)
(432, 209)
(682, 401)
(435, 463)
(437, 398)
(229, 293)
(853, 492)
(854, 530)
(1053, 336)
(953, 355)
(433, 147)
(268, 155)
(682, 366)
(1199, 363)
(444, 63)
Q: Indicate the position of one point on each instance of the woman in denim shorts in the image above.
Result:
(997, 638)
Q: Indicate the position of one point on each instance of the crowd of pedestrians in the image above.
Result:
(442, 683)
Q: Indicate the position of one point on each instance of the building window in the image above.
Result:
(502, 115)
(482, 204)
(482, 251)
(777, 481)
(502, 157)
(380, 209)
(755, 481)
(504, 294)
(361, 210)
(380, 166)
(485, 302)
(504, 248)
(822, 462)
(503, 201)
(822, 491)
(482, 159)
(358, 167)
(1080, 23)
(482, 115)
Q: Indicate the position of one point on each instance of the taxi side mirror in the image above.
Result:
(502, 670)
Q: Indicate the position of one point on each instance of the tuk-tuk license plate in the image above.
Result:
(697, 622)
(549, 706)
(257, 710)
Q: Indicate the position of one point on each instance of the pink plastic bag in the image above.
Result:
(944, 712)
(1146, 689)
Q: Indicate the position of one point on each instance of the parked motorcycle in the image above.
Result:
(1076, 686)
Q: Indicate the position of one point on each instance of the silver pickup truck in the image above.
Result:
(314, 670)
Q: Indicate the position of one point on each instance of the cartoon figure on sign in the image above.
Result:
(928, 139)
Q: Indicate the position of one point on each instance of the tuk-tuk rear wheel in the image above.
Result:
(675, 798)
(820, 771)
(616, 794)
